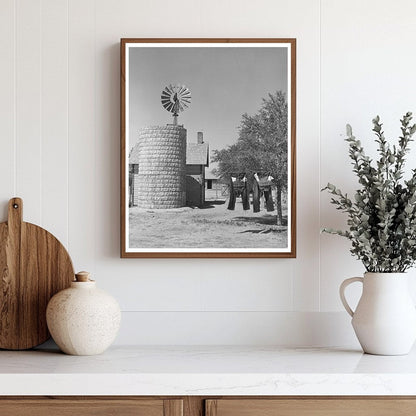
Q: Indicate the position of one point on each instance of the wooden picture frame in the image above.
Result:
(168, 207)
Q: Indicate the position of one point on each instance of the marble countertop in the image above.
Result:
(192, 370)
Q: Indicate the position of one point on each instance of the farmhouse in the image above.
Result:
(197, 159)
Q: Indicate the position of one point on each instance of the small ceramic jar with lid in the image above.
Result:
(82, 319)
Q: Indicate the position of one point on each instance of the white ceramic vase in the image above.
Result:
(82, 319)
(385, 318)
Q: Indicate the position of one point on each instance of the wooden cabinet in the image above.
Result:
(205, 406)
(124, 406)
(310, 406)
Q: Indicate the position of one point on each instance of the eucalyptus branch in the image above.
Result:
(382, 214)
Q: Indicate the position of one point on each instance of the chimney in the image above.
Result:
(200, 137)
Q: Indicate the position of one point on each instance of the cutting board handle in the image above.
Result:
(15, 217)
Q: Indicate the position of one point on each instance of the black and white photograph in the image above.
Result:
(208, 148)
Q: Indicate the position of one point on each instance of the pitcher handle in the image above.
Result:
(342, 288)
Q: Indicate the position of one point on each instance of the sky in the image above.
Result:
(225, 83)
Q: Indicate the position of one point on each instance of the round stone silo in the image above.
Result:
(161, 152)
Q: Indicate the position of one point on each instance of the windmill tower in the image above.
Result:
(160, 154)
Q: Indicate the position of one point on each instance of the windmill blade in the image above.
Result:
(166, 95)
(183, 105)
(165, 101)
(169, 106)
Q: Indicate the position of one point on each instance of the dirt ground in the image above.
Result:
(212, 226)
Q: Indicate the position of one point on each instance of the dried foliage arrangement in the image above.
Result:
(382, 214)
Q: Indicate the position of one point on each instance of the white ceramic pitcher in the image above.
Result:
(385, 318)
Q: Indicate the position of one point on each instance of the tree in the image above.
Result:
(261, 146)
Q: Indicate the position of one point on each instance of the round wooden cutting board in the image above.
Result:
(34, 266)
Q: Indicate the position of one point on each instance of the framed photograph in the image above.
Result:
(208, 133)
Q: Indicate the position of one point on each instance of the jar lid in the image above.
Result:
(82, 277)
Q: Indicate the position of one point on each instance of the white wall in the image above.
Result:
(59, 117)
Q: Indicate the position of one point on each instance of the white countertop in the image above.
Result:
(207, 371)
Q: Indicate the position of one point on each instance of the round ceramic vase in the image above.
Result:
(83, 320)
(385, 318)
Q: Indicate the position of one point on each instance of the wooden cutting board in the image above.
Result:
(34, 265)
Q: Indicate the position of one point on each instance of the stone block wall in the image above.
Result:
(162, 167)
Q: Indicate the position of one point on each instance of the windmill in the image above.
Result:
(176, 98)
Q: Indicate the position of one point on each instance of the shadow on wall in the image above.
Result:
(107, 150)
(4, 203)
